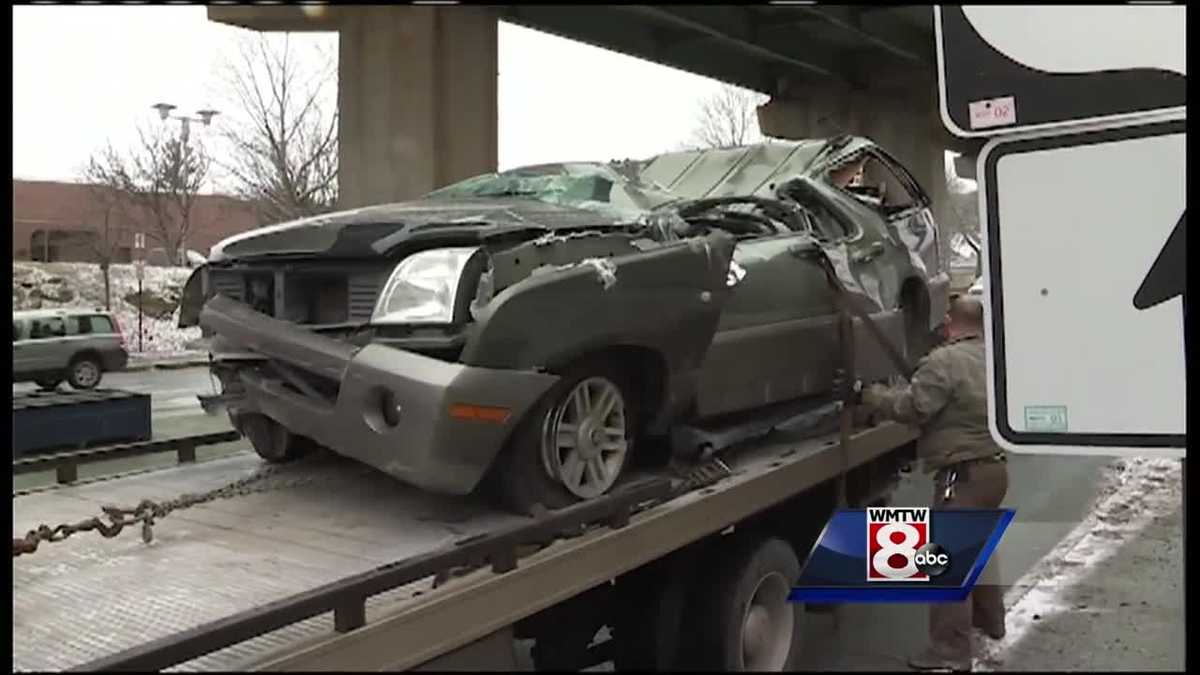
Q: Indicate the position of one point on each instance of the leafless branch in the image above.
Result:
(728, 119)
(283, 131)
(155, 183)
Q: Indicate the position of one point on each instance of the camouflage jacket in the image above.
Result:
(947, 399)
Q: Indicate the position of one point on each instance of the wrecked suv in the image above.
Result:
(536, 327)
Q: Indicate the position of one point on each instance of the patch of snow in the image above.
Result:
(1131, 496)
(159, 336)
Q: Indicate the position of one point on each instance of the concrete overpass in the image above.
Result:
(417, 84)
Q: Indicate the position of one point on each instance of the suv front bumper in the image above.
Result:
(393, 408)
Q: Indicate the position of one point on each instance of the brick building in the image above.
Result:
(55, 221)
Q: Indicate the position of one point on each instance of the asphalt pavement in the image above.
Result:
(172, 392)
(1119, 611)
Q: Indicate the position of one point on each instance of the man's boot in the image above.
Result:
(934, 659)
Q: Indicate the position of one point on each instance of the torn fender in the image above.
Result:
(667, 299)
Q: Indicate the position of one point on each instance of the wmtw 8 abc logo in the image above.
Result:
(899, 547)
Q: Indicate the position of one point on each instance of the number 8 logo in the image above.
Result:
(881, 562)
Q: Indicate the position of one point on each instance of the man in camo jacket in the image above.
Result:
(947, 399)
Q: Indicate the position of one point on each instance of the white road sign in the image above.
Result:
(139, 267)
(1006, 68)
(1085, 261)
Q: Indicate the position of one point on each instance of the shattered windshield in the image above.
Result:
(595, 187)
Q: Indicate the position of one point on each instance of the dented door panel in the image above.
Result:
(774, 335)
(667, 299)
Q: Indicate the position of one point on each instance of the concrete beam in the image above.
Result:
(289, 18)
(610, 29)
(730, 37)
(417, 92)
(849, 19)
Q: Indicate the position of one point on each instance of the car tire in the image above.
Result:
(48, 385)
(85, 372)
(535, 469)
(745, 621)
(271, 440)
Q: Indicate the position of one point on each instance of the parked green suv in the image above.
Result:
(79, 346)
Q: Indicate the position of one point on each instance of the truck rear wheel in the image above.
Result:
(575, 443)
(270, 439)
(747, 622)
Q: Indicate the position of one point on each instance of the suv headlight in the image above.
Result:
(423, 287)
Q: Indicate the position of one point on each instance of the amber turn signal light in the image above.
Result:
(483, 413)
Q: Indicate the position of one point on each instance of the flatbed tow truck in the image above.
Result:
(325, 564)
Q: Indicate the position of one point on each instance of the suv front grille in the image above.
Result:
(312, 295)
(363, 292)
(229, 283)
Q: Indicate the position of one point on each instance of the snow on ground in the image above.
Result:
(1133, 493)
(82, 285)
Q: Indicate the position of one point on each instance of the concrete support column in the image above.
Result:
(903, 118)
(417, 100)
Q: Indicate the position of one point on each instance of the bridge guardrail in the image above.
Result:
(66, 464)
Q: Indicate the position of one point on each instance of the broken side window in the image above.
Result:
(873, 182)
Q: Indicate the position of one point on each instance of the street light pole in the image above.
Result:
(203, 116)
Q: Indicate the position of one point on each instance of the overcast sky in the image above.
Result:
(85, 75)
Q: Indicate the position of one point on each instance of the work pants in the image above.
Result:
(980, 485)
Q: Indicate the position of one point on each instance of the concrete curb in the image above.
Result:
(166, 364)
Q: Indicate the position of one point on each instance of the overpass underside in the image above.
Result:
(417, 84)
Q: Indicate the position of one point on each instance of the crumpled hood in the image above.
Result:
(376, 230)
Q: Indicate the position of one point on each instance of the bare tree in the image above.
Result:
(161, 178)
(728, 119)
(284, 142)
(105, 229)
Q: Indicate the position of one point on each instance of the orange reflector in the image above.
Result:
(483, 413)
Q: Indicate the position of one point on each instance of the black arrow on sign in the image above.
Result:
(1167, 277)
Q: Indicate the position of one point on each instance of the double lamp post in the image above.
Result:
(139, 238)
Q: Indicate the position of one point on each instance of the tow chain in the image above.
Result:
(116, 519)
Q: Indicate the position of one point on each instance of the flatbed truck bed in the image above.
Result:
(249, 582)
